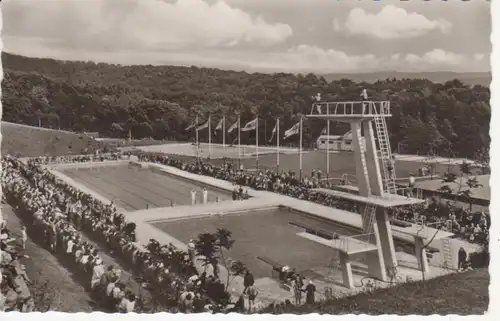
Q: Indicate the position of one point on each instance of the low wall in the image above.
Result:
(157, 169)
(87, 164)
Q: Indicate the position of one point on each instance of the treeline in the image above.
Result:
(450, 119)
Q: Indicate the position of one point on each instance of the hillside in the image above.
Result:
(21, 140)
(161, 101)
(469, 78)
(463, 294)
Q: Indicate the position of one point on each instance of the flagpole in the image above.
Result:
(327, 150)
(257, 140)
(278, 144)
(300, 149)
(209, 136)
(197, 144)
(196, 129)
(239, 143)
(224, 131)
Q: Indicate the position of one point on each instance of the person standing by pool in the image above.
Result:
(193, 197)
(310, 291)
(205, 196)
(248, 281)
(191, 250)
(462, 259)
(252, 294)
(297, 290)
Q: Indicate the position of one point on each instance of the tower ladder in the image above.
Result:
(447, 255)
(334, 260)
(385, 155)
(369, 218)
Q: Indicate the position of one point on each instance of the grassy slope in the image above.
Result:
(22, 140)
(53, 285)
(463, 294)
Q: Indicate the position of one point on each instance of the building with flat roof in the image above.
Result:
(479, 196)
(338, 142)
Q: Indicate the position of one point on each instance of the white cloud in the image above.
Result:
(390, 23)
(302, 58)
(111, 25)
(436, 57)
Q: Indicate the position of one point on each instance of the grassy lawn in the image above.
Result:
(22, 140)
(462, 294)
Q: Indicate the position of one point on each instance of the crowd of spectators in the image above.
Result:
(59, 213)
(464, 223)
(15, 294)
(96, 157)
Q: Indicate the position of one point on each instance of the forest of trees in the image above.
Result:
(449, 119)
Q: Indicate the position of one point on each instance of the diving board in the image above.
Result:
(345, 244)
(385, 201)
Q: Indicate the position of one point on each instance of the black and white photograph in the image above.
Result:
(246, 156)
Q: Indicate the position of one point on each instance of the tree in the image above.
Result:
(157, 101)
(464, 183)
(206, 249)
(482, 159)
(212, 248)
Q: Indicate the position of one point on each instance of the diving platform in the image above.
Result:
(346, 247)
(385, 201)
(349, 245)
(349, 111)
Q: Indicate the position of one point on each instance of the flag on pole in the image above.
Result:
(251, 125)
(193, 125)
(203, 125)
(233, 126)
(219, 125)
(274, 131)
(292, 131)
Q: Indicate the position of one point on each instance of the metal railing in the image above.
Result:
(351, 108)
(355, 242)
(411, 192)
(424, 227)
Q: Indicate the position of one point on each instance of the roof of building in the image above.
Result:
(346, 136)
(482, 192)
(329, 137)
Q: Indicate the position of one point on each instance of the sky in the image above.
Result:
(320, 36)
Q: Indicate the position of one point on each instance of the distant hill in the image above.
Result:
(469, 78)
(429, 115)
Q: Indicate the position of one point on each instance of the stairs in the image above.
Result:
(385, 155)
(447, 255)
